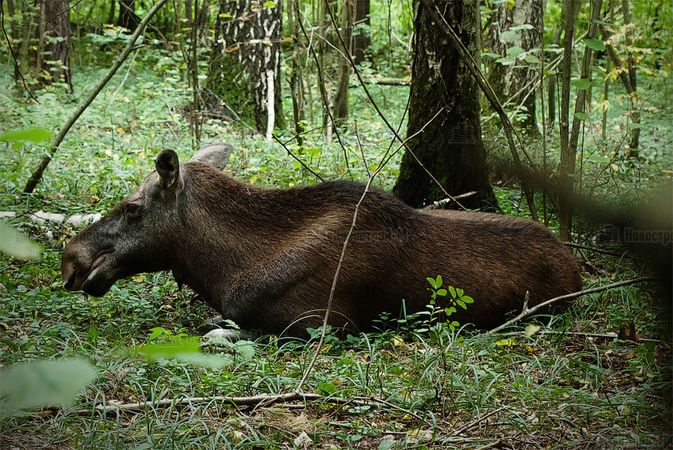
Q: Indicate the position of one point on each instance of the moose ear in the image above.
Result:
(168, 168)
(216, 155)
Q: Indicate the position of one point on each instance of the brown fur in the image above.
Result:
(265, 257)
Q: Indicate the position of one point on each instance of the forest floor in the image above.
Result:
(563, 381)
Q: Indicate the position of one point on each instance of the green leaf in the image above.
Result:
(582, 83)
(595, 44)
(326, 388)
(459, 292)
(167, 350)
(523, 26)
(439, 280)
(35, 134)
(441, 292)
(452, 291)
(16, 244)
(461, 304)
(531, 329)
(490, 55)
(508, 36)
(532, 59)
(432, 282)
(450, 310)
(467, 299)
(506, 343)
(158, 331)
(505, 61)
(514, 52)
(43, 383)
(581, 116)
(269, 4)
(245, 349)
(214, 362)
(386, 444)
(185, 350)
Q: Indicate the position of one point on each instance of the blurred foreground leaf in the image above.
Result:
(43, 383)
(16, 244)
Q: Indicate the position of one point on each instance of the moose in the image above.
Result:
(266, 258)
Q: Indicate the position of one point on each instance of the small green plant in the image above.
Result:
(455, 296)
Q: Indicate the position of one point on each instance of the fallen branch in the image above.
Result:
(624, 254)
(255, 400)
(477, 421)
(53, 148)
(441, 204)
(526, 311)
(262, 400)
(387, 81)
(611, 335)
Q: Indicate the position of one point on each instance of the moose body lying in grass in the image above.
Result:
(266, 258)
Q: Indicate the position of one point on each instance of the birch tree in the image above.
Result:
(244, 70)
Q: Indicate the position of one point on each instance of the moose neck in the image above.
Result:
(225, 227)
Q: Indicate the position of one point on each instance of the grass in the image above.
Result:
(553, 388)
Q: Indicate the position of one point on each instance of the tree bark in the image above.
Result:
(296, 73)
(341, 98)
(508, 30)
(127, 15)
(244, 70)
(111, 12)
(444, 104)
(567, 164)
(57, 42)
(361, 35)
(627, 74)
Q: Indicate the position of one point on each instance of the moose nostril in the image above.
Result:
(68, 283)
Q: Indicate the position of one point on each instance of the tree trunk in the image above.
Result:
(583, 96)
(567, 164)
(296, 73)
(111, 12)
(244, 69)
(127, 15)
(444, 104)
(361, 34)
(552, 86)
(508, 32)
(627, 73)
(341, 99)
(57, 42)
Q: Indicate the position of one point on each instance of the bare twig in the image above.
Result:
(37, 174)
(597, 335)
(378, 110)
(486, 88)
(330, 299)
(384, 160)
(477, 421)
(265, 399)
(528, 311)
(624, 254)
(296, 158)
(440, 204)
(495, 443)
(321, 81)
(11, 51)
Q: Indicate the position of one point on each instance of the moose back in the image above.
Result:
(266, 258)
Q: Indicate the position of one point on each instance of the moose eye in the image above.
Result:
(134, 210)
